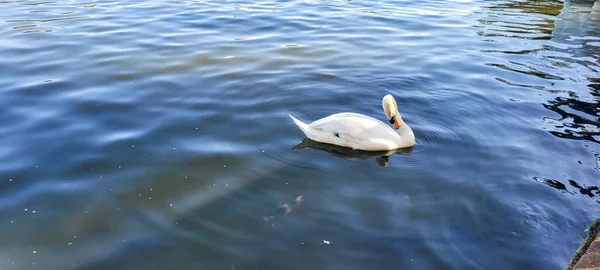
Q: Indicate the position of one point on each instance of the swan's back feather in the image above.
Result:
(356, 131)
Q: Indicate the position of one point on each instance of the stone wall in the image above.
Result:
(587, 257)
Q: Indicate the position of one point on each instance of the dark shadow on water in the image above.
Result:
(591, 191)
(381, 157)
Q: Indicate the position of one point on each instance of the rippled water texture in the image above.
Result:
(154, 135)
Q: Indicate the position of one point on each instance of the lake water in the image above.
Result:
(155, 135)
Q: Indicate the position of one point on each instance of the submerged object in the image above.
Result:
(284, 209)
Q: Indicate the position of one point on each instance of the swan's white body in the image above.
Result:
(359, 131)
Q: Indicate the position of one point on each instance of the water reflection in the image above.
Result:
(577, 25)
(381, 157)
(559, 55)
(578, 119)
(567, 39)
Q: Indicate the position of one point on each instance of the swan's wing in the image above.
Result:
(342, 120)
(358, 128)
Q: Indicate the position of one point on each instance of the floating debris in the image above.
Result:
(229, 57)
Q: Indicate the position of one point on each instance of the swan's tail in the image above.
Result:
(304, 127)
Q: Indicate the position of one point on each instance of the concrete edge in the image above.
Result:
(593, 231)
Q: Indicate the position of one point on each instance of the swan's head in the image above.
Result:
(391, 110)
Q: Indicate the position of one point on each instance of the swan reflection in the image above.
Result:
(381, 157)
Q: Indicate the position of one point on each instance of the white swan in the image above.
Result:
(361, 132)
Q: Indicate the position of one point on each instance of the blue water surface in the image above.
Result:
(155, 135)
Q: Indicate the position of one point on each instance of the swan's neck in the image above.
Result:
(405, 132)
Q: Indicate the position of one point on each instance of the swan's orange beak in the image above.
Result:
(394, 121)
